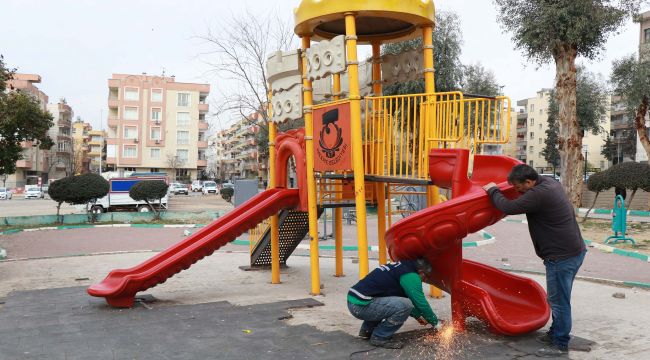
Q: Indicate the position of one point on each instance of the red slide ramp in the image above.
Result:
(121, 285)
(507, 303)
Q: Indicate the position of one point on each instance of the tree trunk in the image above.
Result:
(592, 206)
(629, 200)
(58, 207)
(569, 135)
(639, 124)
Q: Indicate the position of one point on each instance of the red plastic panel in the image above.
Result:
(507, 303)
(120, 286)
(287, 144)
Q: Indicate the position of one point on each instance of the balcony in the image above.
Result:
(113, 121)
(110, 160)
(24, 164)
(203, 107)
(203, 125)
(113, 103)
(202, 144)
(201, 163)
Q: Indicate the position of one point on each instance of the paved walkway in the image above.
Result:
(46, 314)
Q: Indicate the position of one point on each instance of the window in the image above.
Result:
(530, 163)
(154, 170)
(130, 151)
(646, 35)
(532, 121)
(540, 140)
(532, 107)
(155, 133)
(602, 164)
(182, 138)
(540, 126)
(532, 135)
(201, 136)
(183, 99)
(96, 138)
(130, 113)
(131, 94)
(183, 119)
(155, 154)
(182, 154)
(130, 132)
(531, 149)
(156, 95)
(155, 114)
(129, 169)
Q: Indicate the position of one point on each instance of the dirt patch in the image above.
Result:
(598, 230)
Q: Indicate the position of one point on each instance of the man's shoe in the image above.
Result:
(545, 339)
(365, 334)
(552, 351)
(386, 344)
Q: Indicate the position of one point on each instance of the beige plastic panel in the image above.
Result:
(365, 80)
(326, 58)
(283, 70)
(287, 104)
(406, 66)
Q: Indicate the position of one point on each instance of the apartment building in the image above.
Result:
(531, 126)
(35, 162)
(96, 150)
(239, 154)
(61, 160)
(80, 138)
(156, 124)
(215, 156)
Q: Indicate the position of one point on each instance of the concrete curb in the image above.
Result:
(599, 246)
(83, 226)
(640, 213)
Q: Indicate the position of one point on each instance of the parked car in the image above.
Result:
(197, 185)
(178, 188)
(33, 192)
(5, 193)
(228, 185)
(209, 187)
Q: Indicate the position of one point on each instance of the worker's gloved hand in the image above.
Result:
(422, 321)
(488, 186)
(441, 324)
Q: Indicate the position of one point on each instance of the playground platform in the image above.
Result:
(217, 311)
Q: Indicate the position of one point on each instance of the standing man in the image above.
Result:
(557, 240)
(386, 297)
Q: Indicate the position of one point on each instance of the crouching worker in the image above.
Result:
(386, 297)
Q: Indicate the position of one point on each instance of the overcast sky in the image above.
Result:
(76, 45)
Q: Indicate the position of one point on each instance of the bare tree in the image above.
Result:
(238, 49)
(174, 162)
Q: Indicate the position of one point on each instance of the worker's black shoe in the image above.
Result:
(552, 351)
(386, 343)
(545, 339)
(365, 334)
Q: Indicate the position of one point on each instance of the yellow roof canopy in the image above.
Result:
(376, 20)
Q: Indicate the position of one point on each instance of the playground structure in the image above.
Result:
(356, 146)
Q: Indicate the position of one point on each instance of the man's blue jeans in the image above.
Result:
(383, 316)
(559, 282)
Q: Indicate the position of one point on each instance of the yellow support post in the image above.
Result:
(338, 212)
(357, 142)
(379, 187)
(275, 223)
(433, 196)
(311, 181)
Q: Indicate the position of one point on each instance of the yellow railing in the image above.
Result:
(400, 130)
(255, 234)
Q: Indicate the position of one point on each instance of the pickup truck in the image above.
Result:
(118, 196)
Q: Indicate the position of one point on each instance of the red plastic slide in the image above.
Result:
(508, 304)
(120, 286)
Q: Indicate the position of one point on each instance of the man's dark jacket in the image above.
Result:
(551, 218)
